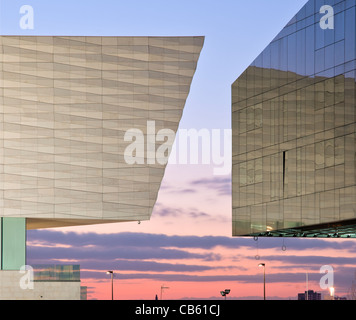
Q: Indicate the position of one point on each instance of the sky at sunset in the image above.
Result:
(187, 245)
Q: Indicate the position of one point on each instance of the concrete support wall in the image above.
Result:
(15, 285)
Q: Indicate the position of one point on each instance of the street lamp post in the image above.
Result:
(264, 279)
(225, 293)
(163, 288)
(112, 283)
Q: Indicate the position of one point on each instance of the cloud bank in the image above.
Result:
(162, 257)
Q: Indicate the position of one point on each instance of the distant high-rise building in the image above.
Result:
(294, 129)
(309, 295)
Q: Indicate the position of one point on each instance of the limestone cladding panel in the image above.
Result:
(66, 103)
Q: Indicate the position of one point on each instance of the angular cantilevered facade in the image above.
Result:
(294, 129)
(66, 103)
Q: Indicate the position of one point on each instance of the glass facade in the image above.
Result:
(56, 273)
(294, 130)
